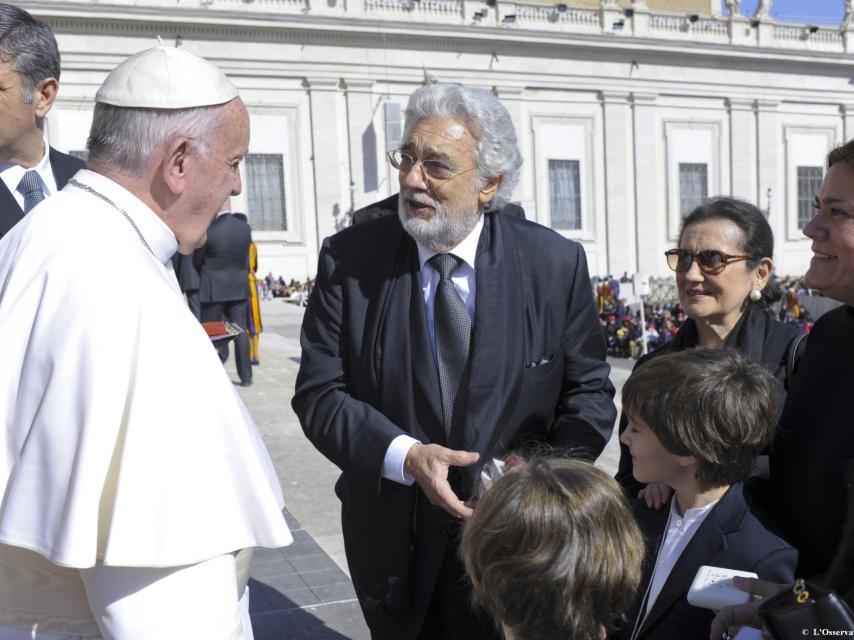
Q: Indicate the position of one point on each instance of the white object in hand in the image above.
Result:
(712, 588)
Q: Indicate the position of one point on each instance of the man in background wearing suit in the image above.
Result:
(435, 342)
(223, 263)
(189, 279)
(30, 171)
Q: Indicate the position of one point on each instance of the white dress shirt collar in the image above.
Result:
(157, 233)
(11, 175)
(465, 250)
(678, 533)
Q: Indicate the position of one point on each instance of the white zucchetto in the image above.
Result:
(166, 78)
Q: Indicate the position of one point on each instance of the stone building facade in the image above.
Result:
(628, 112)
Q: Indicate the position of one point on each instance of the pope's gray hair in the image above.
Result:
(125, 138)
(30, 48)
(497, 151)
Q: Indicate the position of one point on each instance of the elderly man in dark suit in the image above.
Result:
(434, 342)
(29, 79)
(223, 264)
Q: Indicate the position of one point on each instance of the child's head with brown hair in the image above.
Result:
(710, 410)
(553, 551)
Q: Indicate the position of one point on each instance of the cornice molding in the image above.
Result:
(738, 104)
(615, 97)
(362, 32)
(644, 99)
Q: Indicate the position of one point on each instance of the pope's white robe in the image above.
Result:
(125, 443)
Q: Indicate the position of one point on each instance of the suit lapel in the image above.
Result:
(10, 212)
(708, 542)
(491, 385)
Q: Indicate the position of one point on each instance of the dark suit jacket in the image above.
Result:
(63, 167)
(186, 272)
(389, 206)
(734, 535)
(368, 374)
(223, 261)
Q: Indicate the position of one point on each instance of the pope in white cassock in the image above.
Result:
(131, 473)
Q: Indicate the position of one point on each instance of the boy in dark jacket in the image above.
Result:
(697, 420)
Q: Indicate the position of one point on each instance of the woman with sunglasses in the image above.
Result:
(723, 265)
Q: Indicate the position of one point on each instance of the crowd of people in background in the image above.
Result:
(293, 291)
(625, 330)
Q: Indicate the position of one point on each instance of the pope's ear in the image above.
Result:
(175, 165)
(487, 192)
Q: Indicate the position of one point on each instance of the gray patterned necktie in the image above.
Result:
(452, 330)
(31, 187)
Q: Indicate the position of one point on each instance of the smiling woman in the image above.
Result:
(812, 461)
(832, 232)
(723, 265)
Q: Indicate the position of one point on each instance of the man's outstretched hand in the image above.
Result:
(429, 464)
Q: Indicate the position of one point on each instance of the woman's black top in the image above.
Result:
(757, 335)
(812, 460)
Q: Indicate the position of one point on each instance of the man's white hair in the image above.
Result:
(126, 138)
(497, 151)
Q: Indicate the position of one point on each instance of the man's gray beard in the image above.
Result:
(444, 230)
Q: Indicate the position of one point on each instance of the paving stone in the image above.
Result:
(302, 549)
(261, 570)
(282, 598)
(263, 554)
(299, 624)
(335, 592)
(324, 577)
(308, 564)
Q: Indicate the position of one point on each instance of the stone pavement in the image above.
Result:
(303, 591)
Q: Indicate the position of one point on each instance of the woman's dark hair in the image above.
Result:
(757, 237)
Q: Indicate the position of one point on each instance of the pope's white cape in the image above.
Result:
(124, 439)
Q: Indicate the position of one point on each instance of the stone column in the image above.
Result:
(329, 155)
(609, 13)
(640, 19)
(619, 187)
(651, 217)
(366, 168)
(513, 98)
(847, 111)
(742, 133)
(767, 146)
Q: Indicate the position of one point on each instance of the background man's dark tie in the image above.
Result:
(452, 329)
(31, 187)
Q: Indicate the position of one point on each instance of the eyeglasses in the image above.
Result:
(435, 169)
(710, 261)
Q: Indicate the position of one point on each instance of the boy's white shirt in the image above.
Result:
(677, 535)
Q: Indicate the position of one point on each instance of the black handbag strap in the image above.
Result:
(796, 347)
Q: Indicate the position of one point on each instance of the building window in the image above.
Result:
(265, 188)
(809, 182)
(80, 155)
(693, 186)
(393, 126)
(565, 194)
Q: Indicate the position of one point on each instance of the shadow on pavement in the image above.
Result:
(277, 617)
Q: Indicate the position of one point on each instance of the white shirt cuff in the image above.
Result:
(395, 455)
